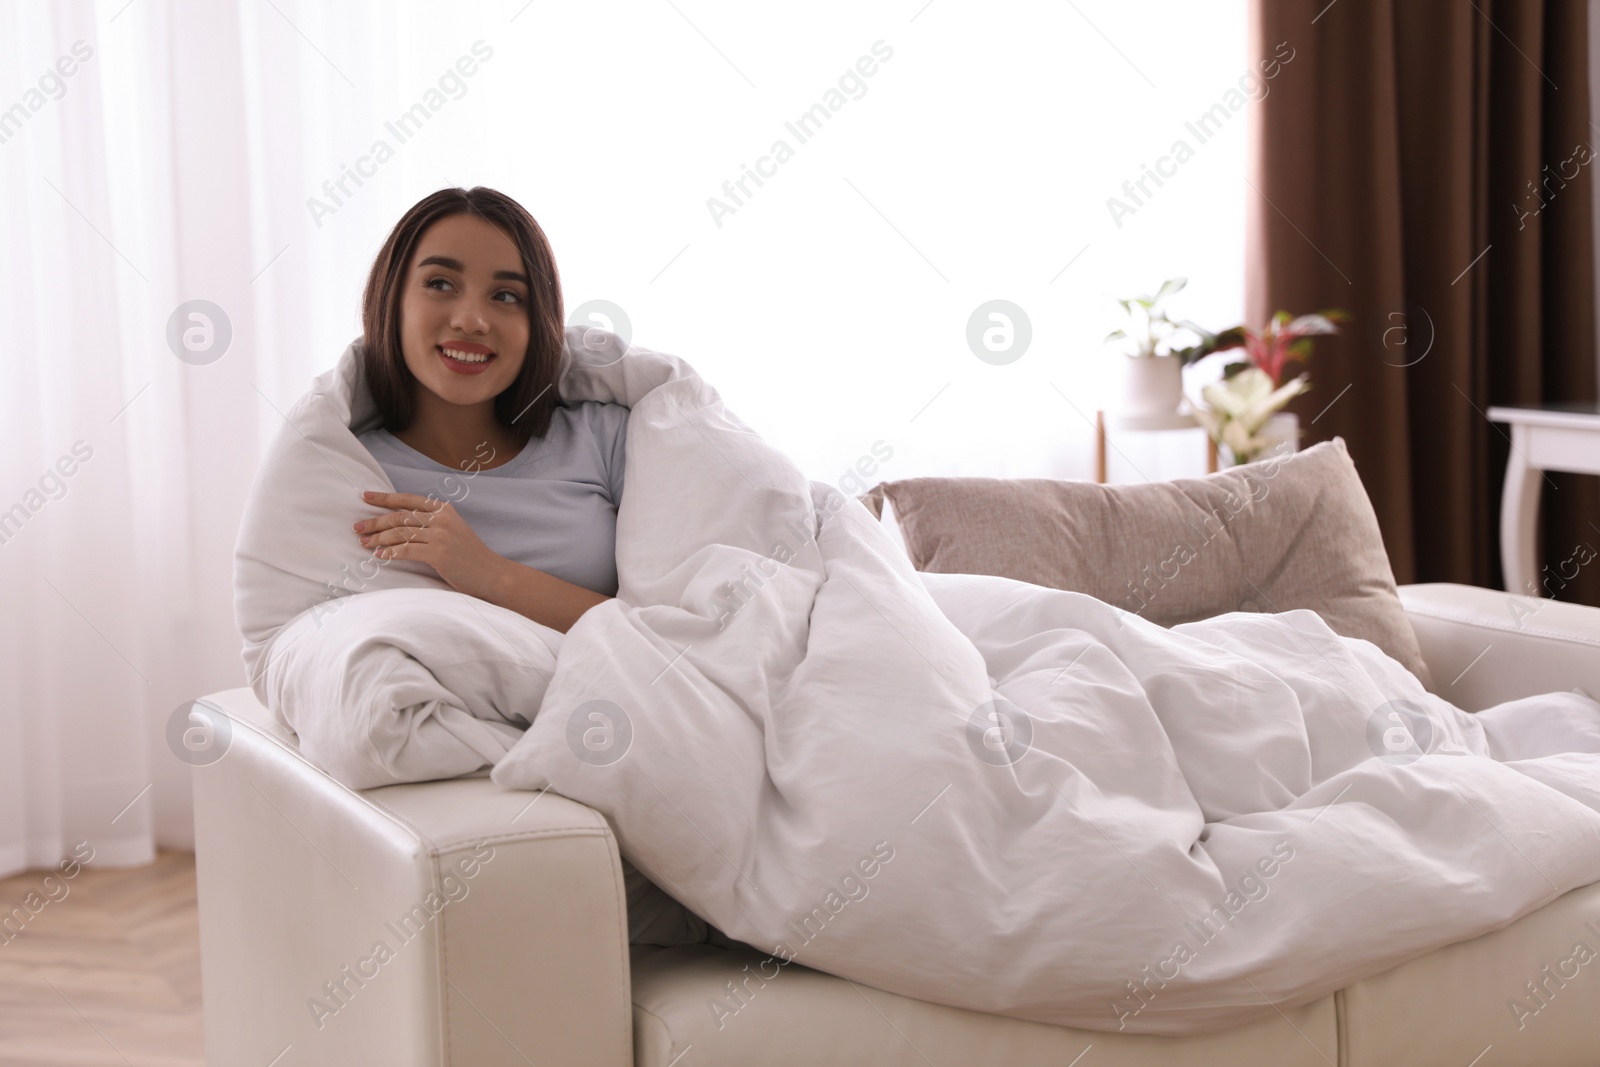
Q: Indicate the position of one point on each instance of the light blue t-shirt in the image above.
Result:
(552, 507)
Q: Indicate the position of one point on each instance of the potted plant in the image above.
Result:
(1241, 410)
(1151, 379)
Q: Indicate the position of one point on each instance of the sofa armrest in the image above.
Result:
(435, 924)
(1485, 647)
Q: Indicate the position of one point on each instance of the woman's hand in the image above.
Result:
(432, 532)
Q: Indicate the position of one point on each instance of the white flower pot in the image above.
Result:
(1283, 429)
(1282, 432)
(1150, 385)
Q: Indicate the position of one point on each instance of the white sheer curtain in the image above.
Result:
(113, 527)
(159, 152)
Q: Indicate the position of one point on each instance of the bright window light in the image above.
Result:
(808, 205)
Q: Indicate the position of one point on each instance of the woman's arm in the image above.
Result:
(539, 596)
(432, 531)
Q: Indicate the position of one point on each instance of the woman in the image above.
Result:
(462, 325)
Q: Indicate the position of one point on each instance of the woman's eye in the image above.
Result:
(441, 284)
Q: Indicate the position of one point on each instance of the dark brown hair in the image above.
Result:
(525, 407)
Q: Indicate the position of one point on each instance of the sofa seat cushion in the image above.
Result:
(796, 1017)
(1295, 531)
(1530, 991)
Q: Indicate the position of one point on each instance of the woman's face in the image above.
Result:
(465, 295)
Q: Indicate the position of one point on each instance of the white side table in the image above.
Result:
(1549, 437)
(1111, 420)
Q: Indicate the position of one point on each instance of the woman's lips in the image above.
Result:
(460, 366)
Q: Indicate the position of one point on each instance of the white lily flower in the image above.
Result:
(1234, 397)
(1238, 439)
(1236, 408)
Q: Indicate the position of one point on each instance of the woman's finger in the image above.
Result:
(399, 518)
(400, 535)
(403, 500)
(409, 519)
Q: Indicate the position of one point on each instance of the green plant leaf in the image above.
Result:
(1232, 337)
(1206, 344)
(1169, 287)
(1307, 325)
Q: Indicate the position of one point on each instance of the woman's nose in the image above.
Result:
(469, 317)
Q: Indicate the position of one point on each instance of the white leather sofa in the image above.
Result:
(526, 959)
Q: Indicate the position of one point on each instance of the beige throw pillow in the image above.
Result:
(1296, 531)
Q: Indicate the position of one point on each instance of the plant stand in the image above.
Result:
(1112, 420)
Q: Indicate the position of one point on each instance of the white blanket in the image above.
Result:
(960, 788)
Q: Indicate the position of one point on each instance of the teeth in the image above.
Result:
(465, 357)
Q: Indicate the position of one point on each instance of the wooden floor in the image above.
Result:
(108, 973)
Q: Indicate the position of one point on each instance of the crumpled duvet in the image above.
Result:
(960, 788)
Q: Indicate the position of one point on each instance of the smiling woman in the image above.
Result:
(462, 343)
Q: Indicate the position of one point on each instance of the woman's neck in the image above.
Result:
(463, 438)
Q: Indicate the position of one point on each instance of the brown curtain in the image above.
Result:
(1396, 163)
